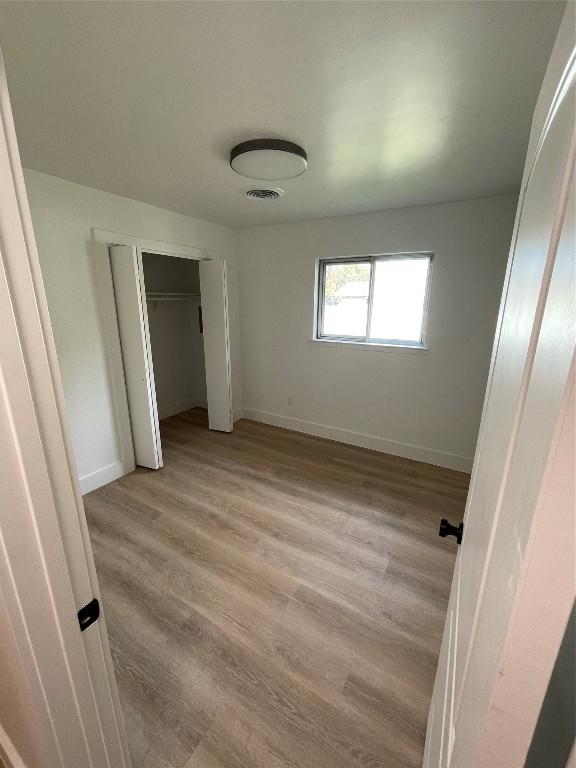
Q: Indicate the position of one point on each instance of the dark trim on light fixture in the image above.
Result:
(280, 145)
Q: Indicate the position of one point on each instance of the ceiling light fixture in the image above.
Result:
(268, 159)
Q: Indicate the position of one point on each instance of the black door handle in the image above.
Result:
(447, 529)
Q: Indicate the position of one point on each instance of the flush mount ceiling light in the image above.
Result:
(268, 159)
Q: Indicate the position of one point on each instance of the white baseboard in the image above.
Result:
(374, 443)
(237, 414)
(105, 475)
(165, 411)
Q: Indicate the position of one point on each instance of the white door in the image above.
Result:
(58, 701)
(130, 292)
(214, 292)
(533, 354)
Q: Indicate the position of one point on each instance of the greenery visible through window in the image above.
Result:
(374, 299)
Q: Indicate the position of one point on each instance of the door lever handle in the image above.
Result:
(447, 529)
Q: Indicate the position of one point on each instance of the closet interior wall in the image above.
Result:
(175, 333)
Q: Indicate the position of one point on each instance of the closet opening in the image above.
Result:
(174, 304)
(172, 314)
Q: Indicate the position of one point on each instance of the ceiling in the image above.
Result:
(396, 103)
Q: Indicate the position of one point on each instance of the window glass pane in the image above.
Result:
(346, 289)
(398, 299)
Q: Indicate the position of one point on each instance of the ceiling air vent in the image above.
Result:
(262, 193)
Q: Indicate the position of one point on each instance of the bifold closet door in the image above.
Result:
(129, 289)
(214, 290)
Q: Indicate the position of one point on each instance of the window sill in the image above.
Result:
(409, 349)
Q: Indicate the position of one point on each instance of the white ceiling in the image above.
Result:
(397, 103)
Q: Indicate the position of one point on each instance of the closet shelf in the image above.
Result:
(171, 296)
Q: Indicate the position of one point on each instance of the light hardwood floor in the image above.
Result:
(274, 600)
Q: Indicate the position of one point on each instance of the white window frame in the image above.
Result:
(365, 340)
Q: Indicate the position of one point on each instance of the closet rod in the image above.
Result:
(165, 296)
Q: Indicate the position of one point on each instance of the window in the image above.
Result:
(374, 299)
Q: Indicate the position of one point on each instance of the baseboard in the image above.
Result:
(237, 414)
(374, 443)
(165, 411)
(105, 475)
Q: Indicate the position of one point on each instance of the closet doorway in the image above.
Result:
(173, 323)
(173, 301)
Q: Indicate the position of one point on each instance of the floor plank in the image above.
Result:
(274, 600)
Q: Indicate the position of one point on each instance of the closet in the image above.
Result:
(172, 315)
(174, 307)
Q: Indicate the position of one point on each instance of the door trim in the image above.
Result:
(149, 245)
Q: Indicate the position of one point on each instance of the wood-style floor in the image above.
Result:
(274, 600)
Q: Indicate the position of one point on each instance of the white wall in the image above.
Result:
(80, 300)
(178, 356)
(424, 405)
(419, 404)
(177, 344)
(170, 274)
